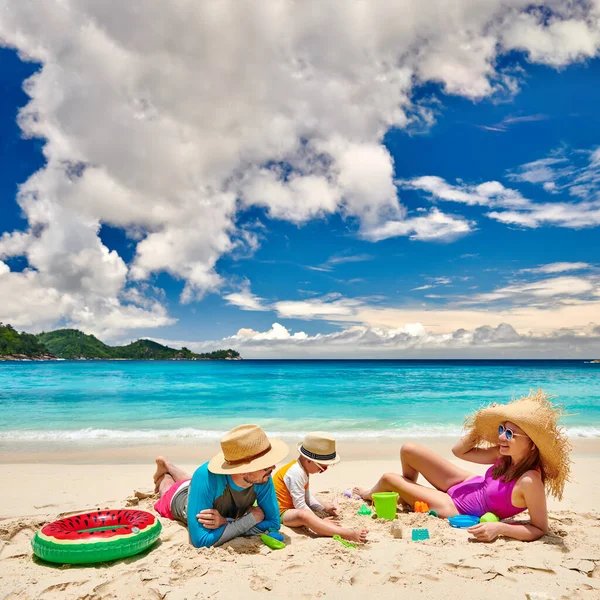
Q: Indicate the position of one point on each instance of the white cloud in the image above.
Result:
(558, 267)
(490, 193)
(276, 333)
(30, 301)
(167, 131)
(511, 207)
(576, 171)
(436, 226)
(245, 299)
(327, 307)
(559, 214)
(409, 340)
(507, 122)
(554, 41)
(544, 288)
(340, 259)
(421, 287)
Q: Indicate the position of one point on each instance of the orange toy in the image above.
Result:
(421, 507)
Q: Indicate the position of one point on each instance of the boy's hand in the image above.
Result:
(332, 521)
(331, 509)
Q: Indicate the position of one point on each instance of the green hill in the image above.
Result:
(12, 342)
(74, 344)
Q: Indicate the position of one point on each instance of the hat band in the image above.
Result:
(247, 459)
(317, 457)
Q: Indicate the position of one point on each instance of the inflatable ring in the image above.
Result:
(96, 536)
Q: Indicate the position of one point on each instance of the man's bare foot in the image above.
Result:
(364, 493)
(357, 535)
(162, 468)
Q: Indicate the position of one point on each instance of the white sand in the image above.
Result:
(563, 564)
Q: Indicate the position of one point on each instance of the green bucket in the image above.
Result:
(385, 504)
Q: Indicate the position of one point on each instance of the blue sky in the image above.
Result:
(430, 210)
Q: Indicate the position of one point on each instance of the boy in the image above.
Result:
(297, 506)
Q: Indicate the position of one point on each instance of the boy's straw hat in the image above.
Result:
(319, 447)
(539, 419)
(245, 449)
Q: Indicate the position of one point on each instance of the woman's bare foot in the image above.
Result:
(162, 468)
(356, 535)
(364, 493)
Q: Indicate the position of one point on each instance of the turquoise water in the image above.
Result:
(128, 402)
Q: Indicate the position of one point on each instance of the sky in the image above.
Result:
(326, 179)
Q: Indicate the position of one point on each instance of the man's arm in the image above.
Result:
(203, 491)
(267, 500)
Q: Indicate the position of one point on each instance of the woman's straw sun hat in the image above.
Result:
(319, 447)
(539, 419)
(245, 449)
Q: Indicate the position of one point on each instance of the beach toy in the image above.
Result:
(364, 510)
(271, 542)
(432, 513)
(348, 494)
(489, 518)
(341, 540)
(421, 507)
(385, 504)
(463, 521)
(276, 535)
(420, 534)
(95, 537)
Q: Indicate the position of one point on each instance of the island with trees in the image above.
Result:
(72, 344)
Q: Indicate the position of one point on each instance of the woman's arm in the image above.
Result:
(466, 449)
(532, 488)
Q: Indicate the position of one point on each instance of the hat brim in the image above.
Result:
(279, 450)
(332, 461)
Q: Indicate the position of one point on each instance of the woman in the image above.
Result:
(529, 454)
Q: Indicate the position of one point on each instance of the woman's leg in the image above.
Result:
(415, 459)
(307, 518)
(441, 473)
(410, 492)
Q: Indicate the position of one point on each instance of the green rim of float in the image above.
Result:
(94, 537)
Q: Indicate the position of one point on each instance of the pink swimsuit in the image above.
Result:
(480, 495)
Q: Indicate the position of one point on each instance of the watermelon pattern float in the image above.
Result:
(96, 536)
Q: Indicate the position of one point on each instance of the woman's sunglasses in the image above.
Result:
(509, 433)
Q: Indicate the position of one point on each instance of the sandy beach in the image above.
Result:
(563, 564)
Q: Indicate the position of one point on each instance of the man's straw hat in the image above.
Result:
(245, 449)
(539, 419)
(319, 447)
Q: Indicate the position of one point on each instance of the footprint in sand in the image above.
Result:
(260, 582)
(473, 572)
(53, 590)
(530, 570)
(114, 588)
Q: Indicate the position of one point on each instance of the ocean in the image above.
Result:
(73, 403)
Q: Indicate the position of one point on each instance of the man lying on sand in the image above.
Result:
(217, 502)
(529, 454)
(297, 506)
